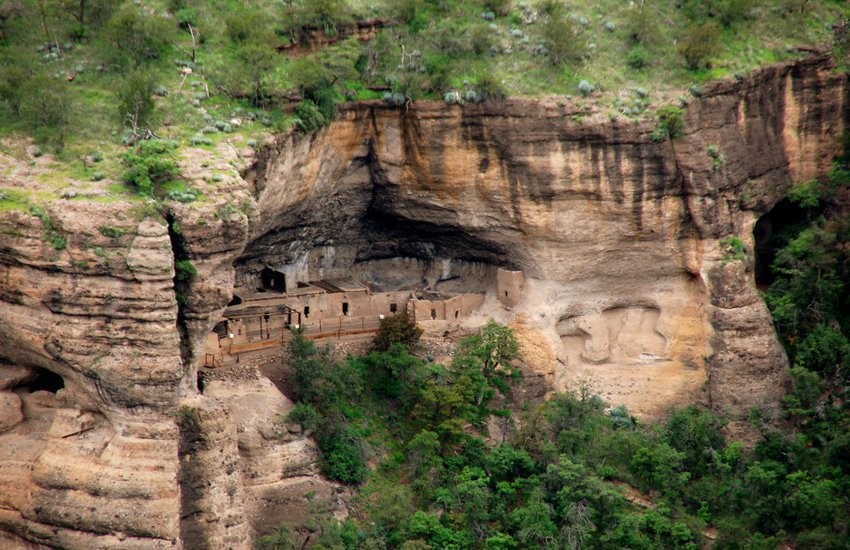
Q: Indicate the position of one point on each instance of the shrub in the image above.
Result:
(824, 350)
(585, 88)
(717, 158)
(638, 58)
(807, 194)
(304, 414)
(188, 195)
(45, 104)
(699, 44)
(150, 164)
(727, 12)
(136, 34)
(247, 24)
(342, 458)
(397, 329)
(186, 17)
(283, 538)
(500, 7)
(733, 249)
(641, 23)
(561, 38)
(308, 117)
(671, 123)
(184, 270)
(111, 231)
(489, 88)
(258, 60)
(328, 15)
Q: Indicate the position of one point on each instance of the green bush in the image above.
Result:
(561, 37)
(308, 117)
(135, 100)
(136, 35)
(186, 17)
(499, 7)
(306, 415)
(184, 270)
(699, 44)
(641, 24)
(727, 12)
(328, 15)
(670, 124)
(150, 164)
(733, 249)
(248, 24)
(638, 58)
(807, 194)
(45, 104)
(488, 87)
(397, 329)
(342, 456)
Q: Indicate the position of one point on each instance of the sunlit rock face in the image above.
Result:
(617, 235)
(105, 439)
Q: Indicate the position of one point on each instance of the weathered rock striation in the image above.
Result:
(617, 236)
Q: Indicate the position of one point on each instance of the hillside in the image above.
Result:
(86, 78)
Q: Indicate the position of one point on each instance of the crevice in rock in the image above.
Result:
(181, 283)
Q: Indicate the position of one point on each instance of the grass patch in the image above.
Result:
(13, 199)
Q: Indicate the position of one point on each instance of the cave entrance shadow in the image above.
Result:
(771, 233)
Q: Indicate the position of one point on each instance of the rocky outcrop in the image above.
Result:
(626, 287)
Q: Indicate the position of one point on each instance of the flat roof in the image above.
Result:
(340, 285)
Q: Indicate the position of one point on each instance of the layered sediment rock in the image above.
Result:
(618, 238)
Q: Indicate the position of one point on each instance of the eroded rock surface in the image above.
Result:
(625, 284)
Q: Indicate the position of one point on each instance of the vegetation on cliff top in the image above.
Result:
(81, 76)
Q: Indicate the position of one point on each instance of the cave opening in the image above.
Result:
(44, 380)
(273, 280)
(771, 233)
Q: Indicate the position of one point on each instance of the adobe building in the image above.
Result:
(333, 308)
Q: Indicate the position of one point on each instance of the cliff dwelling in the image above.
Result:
(598, 245)
(263, 316)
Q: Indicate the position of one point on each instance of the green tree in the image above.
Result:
(491, 351)
(698, 435)
(249, 24)
(135, 100)
(136, 35)
(257, 62)
(44, 105)
(397, 329)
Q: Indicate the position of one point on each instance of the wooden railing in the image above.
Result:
(267, 339)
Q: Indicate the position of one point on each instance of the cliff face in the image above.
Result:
(618, 238)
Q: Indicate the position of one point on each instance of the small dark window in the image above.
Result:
(393, 308)
(345, 308)
(306, 311)
(456, 314)
(433, 314)
(506, 294)
(266, 317)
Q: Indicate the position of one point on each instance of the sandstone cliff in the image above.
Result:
(618, 237)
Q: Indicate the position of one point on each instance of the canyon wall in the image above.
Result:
(618, 236)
